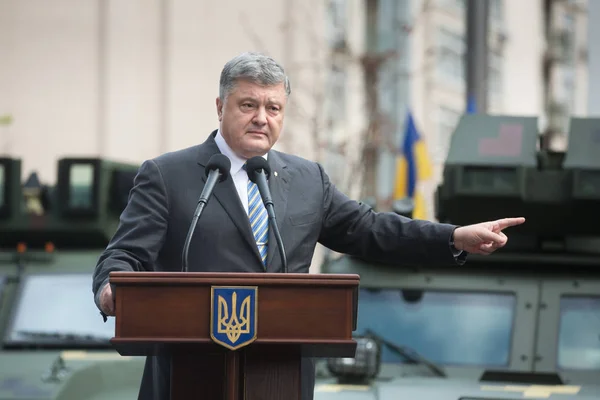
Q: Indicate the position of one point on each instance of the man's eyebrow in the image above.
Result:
(254, 99)
(275, 101)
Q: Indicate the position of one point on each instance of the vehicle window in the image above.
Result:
(579, 333)
(81, 181)
(451, 328)
(57, 309)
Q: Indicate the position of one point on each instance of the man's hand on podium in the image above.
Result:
(107, 302)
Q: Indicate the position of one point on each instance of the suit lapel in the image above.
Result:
(279, 186)
(226, 194)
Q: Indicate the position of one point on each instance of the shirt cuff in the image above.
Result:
(455, 252)
(97, 299)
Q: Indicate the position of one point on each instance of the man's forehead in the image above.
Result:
(247, 88)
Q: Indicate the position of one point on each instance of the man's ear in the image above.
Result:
(219, 108)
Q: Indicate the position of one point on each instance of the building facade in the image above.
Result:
(537, 66)
(131, 80)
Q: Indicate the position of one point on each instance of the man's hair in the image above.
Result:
(255, 67)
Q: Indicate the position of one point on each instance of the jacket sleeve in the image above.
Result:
(141, 231)
(354, 228)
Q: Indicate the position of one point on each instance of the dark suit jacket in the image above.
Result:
(308, 207)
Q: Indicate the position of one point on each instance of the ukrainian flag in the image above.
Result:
(412, 164)
(471, 105)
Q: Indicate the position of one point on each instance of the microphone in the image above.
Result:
(217, 170)
(259, 171)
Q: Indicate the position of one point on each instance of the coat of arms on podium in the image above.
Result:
(233, 316)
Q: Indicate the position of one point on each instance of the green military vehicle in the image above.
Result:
(522, 323)
(55, 344)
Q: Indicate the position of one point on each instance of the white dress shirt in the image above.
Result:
(239, 176)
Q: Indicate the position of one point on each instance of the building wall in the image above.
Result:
(130, 80)
(523, 52)
(50, 79)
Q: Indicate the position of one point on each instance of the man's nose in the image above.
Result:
(260, 118)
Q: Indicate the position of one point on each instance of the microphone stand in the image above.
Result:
(211, 181)
(263, 188)
(273, 221)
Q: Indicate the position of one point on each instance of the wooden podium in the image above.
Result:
(235, 336)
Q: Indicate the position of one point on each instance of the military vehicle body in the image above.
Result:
(55, 344)
(522, 323)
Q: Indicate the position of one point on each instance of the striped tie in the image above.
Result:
(258, 220)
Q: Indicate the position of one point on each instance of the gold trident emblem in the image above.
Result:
(233, 326)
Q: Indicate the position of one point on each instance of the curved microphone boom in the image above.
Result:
(217, 170)
(259, 171)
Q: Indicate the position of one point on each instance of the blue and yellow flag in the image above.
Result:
(471, 105)
(412, 165)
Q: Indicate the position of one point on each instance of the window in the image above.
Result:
(567, 39)
(81, 186)
(568, 74)
(447, 120)
(336, 93)
(496, 10)
(335, 90)
(451, 52)
(336, 23)
(569, 22)
(495, 73)
(58, 309)
(458, 5)
(451, 328)
(579, 333)
(336, 165)
(335, 113)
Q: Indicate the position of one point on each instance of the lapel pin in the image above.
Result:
(275, 173)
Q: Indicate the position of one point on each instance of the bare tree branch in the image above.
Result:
(360, 149)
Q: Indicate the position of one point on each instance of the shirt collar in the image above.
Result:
(237, 162)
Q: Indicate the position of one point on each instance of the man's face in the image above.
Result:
(252, 117)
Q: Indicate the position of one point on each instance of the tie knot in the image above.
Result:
(244, 167)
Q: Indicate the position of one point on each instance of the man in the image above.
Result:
(251, 105)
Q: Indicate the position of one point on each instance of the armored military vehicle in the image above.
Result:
(522, 323)
(55, 344)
